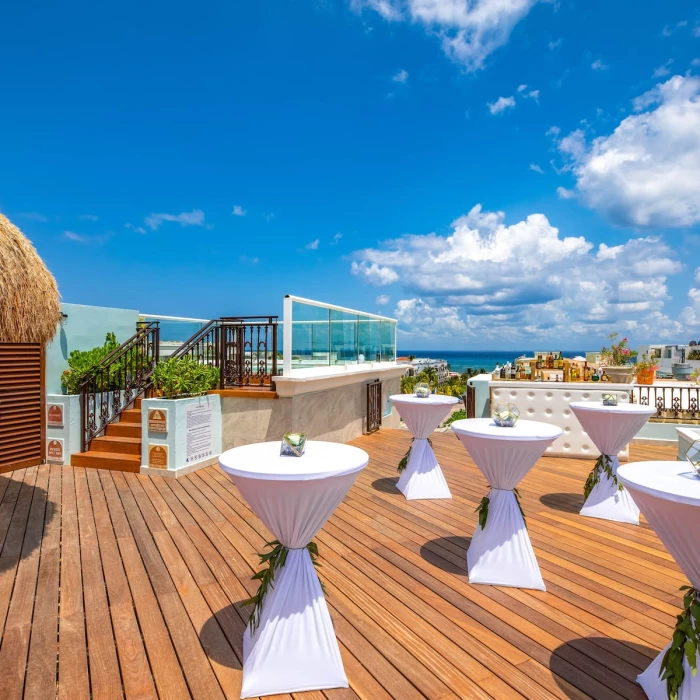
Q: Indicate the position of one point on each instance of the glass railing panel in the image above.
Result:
(310, 336)
(388, 341)
(369, 338)
(344, 344)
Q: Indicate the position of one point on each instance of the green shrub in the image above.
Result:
(82, 361)
(184, 376)
(457, 415)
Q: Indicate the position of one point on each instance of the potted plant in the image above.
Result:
(183, 377)
(617, 360)
(695, 377)
(646, 370)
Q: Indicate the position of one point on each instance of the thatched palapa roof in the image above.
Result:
(29, 299)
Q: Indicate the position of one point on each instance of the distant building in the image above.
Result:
(418, 364)
(668, 355)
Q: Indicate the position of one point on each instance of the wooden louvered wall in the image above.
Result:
(21, 405)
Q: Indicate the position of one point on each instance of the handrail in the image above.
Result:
(118, 380)
(242, 348)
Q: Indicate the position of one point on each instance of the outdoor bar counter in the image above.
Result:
(548, 402)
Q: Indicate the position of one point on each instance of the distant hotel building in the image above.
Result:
(418, 364)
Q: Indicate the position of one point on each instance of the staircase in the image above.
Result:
(119, 448)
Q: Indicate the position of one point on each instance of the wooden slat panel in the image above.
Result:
(21, 405)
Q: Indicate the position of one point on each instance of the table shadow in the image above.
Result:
(565, 502)
(447, 553)
(228, 622)
(568, 672)
(30, 542)
(386, 485)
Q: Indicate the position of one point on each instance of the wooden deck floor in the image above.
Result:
(116, 585)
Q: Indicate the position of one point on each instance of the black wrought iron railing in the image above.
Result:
(242, 348)
(119, 379)
(672, 403)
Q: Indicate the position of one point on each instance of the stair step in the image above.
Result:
(131, 415)
(107, 460)
(124, 430)
(116, 443)
(137, 404)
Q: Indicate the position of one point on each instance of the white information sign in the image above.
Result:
(199, 433)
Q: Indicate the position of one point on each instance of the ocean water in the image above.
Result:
(460, 360)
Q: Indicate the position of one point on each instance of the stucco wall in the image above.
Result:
(336, 414)
(84, 328)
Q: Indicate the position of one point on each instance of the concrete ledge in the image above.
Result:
(652, 441)
(354, 374)
(181, 471)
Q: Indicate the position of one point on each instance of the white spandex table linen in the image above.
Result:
(668, 493)
(294, 648)
(422, 477)
(611, 428)
(501, 553)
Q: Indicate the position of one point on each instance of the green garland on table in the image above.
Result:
(685, 643)
(404, 460)
(275, 559)
(602, 465)
(483, 509)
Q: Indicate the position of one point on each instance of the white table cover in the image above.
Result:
(422, 477)
(668, 493)
(611, 428)
(294, 648)
(501, 554)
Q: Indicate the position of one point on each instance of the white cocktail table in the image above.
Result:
(293, 648)
(668, 493)
(500, 553)
(422, 477)
(610, 429)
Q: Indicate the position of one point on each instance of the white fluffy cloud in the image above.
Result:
(382, 300)
(374, 274)
(238, 210)
(401, 77)
(523, 281)
(501, 104)
(186, 218)
(646, 173)
(470, 30)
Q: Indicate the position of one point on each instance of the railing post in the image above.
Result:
(287, 337)
(222, 354)
(274, 350)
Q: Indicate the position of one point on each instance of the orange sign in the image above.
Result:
(54, 450)
(158, 456)
(54, 415)
(157, 420)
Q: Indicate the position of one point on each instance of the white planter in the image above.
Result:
(192, 438)
(621, 374)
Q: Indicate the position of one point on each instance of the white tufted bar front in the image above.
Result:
(548, 402)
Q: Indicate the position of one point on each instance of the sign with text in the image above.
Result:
(157, 420)
(198, 442)
(54, 415)
(54, 450)
(158, 456)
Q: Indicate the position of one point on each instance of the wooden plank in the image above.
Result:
(105, 679)
(133, 662)
(165, 666)
(42, 664)
(15, 638)
(73, 679)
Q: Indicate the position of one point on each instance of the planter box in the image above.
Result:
(184, 436)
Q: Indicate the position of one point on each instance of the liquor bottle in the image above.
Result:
(503, 372)
(604, 377)
(561, 360)
(586, 372)
(496, 374)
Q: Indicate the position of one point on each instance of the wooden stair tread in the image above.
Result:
(118, 438)
(107, 460)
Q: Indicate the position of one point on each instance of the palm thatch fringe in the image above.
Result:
(29, 299)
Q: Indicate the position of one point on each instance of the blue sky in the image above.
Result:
(495, 173)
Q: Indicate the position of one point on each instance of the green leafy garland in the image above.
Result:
(603, 465)
(404, 460)
(483, 509)
(275, 559)
(685, 643)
